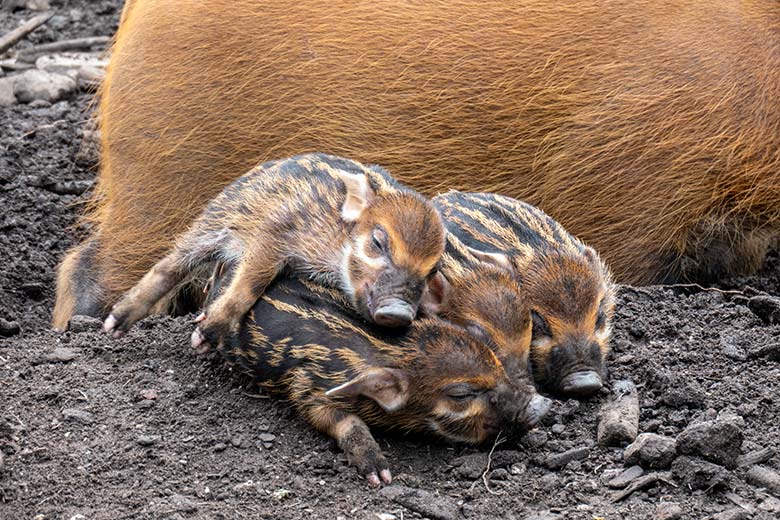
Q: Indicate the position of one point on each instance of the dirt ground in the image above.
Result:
(143, 428)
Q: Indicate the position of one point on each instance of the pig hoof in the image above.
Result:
(373, 479)
(110, 324)
(198, 342)
(386, 476)
(201, 317)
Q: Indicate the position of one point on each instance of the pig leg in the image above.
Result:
(79, 290)
(254, 272)
(194, 249)
(354, 439)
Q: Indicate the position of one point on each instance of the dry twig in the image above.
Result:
(10, 39)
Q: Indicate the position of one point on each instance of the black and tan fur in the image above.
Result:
(304, 341)
(567, 287)
(336, 221)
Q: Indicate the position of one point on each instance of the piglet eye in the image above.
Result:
(379, 238)
(461, 393)
(540, 326)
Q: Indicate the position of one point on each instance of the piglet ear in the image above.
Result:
(359, 195)
(389, 387)
(497, 259)
(434, 298)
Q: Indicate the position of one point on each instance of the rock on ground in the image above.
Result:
(717, 441)
(38, 84)
(764, 477)
(7, 97)
(620, 417)
(699, 474)
(651, 450)
(423, 502)
(668, 511)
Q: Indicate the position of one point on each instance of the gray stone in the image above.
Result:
(619, 421)
(59, 355)
(470, 467)
(735, 513)
(70, 63)
(422, 502)
(544, 515)
(7, 97)
(38, 84)
(182, 504)
(535, 439)
(766, 307)
(9, 328)
(764, 477)
(559, 460)
(699, 474)
(147, 440)
(267, 437)
(717, 441)
(82, 416)
(81, 323)
(730, 348)
(651, 450)
(37, 5)
(499, 474)
(668, 511)
(626, 477)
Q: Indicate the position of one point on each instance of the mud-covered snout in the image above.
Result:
(535, 411)
(581, 384)
(573, 369)
(395, 297)
(521, 408)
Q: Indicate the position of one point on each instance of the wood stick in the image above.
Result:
(66, 45)
(10, 39)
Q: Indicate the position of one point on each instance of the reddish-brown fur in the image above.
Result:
(650, 129)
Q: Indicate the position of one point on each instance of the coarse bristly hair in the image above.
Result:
(649, 129)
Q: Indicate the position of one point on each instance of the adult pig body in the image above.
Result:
(650, 129)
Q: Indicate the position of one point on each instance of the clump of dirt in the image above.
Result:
(141, 427)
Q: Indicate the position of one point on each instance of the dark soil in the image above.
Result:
(142, 428)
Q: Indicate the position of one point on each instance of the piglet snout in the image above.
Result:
(394, 312)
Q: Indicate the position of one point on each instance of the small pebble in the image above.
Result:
(267, 437)
(9, 328)
(147, 440)
(651, 450)
(764, 477)
(559, 460)
(149, 394)
(81, 323)
(499, 474)
(626, 477)
(74, 414)
(668, 511)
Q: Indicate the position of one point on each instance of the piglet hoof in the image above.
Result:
(201, 317)
(110, 324)
(368, 460)
(386, 476)
(199, 343)
(373, 479)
